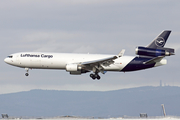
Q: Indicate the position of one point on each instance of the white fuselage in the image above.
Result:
(76, 64)
(37, 60)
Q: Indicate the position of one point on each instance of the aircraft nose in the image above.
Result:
(6, 60)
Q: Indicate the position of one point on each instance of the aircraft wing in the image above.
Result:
(99, 61)
(105, 61)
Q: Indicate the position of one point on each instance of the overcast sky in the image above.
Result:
(86, 26)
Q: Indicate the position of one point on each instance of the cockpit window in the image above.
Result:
(10, 56)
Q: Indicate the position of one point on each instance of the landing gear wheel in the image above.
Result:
(98, 77)
(91, 75)
(94, 76)
(27, 70)
(26, 74)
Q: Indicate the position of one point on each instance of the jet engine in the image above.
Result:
(75, 69)
(144, 51)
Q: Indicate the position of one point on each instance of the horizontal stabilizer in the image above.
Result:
(154, 60)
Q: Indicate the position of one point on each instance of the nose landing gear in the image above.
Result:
(27, 70)
(94, 76)
(26, 74)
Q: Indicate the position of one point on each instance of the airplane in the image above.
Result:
(77, 64)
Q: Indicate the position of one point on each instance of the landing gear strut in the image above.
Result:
(27, 70)
(94, 76)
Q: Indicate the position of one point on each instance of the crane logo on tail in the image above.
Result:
(160, 41)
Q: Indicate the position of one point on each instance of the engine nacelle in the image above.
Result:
(75, 73)
(73, 67)
(152, 52)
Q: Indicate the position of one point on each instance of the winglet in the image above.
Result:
(121, 53)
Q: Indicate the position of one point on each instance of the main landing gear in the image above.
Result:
(94, 76)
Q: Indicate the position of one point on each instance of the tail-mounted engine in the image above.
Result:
(145, 51)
